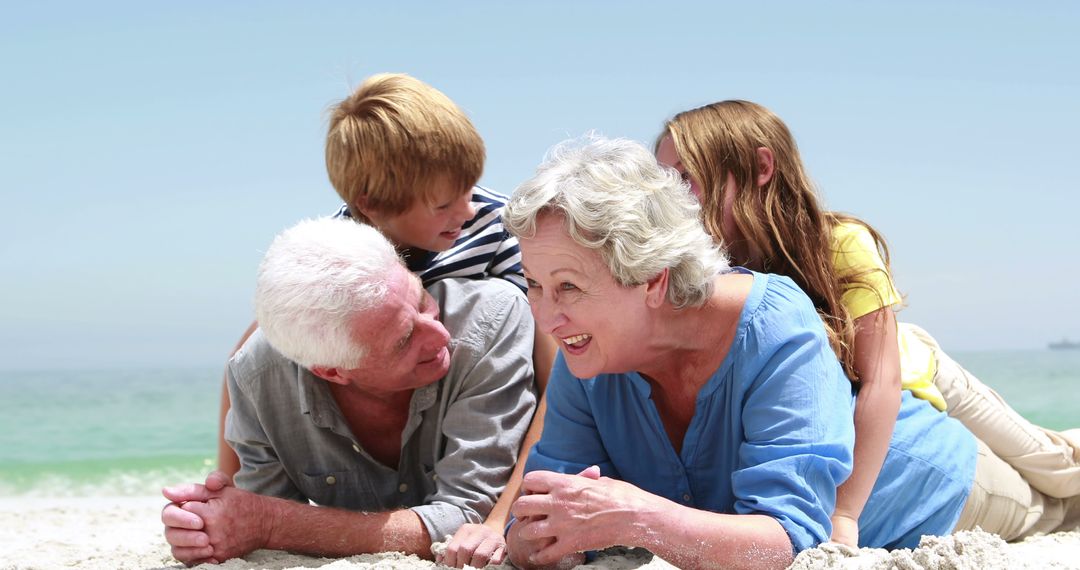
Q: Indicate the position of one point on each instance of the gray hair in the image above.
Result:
(615, 198)
(314, 280)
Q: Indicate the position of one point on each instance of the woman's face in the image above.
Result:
(575, 299)
(666, 155)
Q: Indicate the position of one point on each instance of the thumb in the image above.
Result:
(591, 472)
(186, 492)
(218, 480)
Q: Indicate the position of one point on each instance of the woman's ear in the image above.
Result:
(656, 289)
(766, 165)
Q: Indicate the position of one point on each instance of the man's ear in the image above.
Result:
(766, 164)
(330, 374)
(656, 289)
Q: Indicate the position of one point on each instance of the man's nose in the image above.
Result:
(436, 335)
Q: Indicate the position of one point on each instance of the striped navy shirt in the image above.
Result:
(483, 249)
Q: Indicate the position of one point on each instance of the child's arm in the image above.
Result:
(228, 462)
(877, 363)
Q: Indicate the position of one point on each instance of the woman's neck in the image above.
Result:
(688, 345)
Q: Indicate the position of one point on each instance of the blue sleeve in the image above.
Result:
(797, 422)
(570, 441)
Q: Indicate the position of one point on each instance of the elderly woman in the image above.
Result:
(694, 409)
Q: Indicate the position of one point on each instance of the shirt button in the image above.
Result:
(402, 488)
(356, 448)
(686, 497)
(330, 480)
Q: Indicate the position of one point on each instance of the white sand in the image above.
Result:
(125, 533)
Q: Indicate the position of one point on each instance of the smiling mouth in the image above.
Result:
(577, 341)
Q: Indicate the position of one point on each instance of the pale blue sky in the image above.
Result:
(151, 150)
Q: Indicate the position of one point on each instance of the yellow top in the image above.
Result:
(856, 254)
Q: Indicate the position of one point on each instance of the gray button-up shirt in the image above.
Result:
(459, 444)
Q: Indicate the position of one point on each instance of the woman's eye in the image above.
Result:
(531, 284)
(567, 286)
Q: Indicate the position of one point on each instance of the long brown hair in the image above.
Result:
(782, 221)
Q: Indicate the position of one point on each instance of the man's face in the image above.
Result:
(433, 226)
(407, 345)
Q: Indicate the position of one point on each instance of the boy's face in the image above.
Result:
(431, 226)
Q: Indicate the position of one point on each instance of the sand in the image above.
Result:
(125, 533)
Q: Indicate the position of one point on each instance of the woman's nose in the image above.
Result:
(547, 315)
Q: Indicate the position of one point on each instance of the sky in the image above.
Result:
(149, 151)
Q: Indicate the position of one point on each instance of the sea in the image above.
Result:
(69, 433)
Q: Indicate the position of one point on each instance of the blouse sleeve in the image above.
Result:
(797, 420)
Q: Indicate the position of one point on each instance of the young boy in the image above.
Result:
(405, 159)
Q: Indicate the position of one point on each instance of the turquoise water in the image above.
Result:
(76, 433)
(127, 432)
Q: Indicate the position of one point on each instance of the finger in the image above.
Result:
(197, 508)
(484, 554)
(186, 492)
(537, 530)
(218, 480)
(498, 556)
(450, 557)
(192, 556)
(592, 472)
(532, 506)
(178, 537)
(175, 516)
(554, 552)
(540, 481)
(459, 548)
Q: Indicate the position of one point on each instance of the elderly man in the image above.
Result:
(357, 394)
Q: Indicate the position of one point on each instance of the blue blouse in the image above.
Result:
(772, 434)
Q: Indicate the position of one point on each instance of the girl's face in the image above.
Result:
(733, 242)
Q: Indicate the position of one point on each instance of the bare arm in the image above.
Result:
(228, 462)
(877, 362)
(226, 522)
(563, 515)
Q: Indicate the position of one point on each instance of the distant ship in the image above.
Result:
(1064, 344)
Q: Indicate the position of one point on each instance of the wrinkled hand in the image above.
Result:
(845, 530)
(476, 545)
(563, 515)
(214, 522)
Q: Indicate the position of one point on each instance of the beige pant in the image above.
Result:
(1048, 460)
(1003, 503)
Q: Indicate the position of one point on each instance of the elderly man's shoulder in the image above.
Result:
(465, 302)
(255, 357)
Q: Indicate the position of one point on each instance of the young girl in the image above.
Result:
(742, 164)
